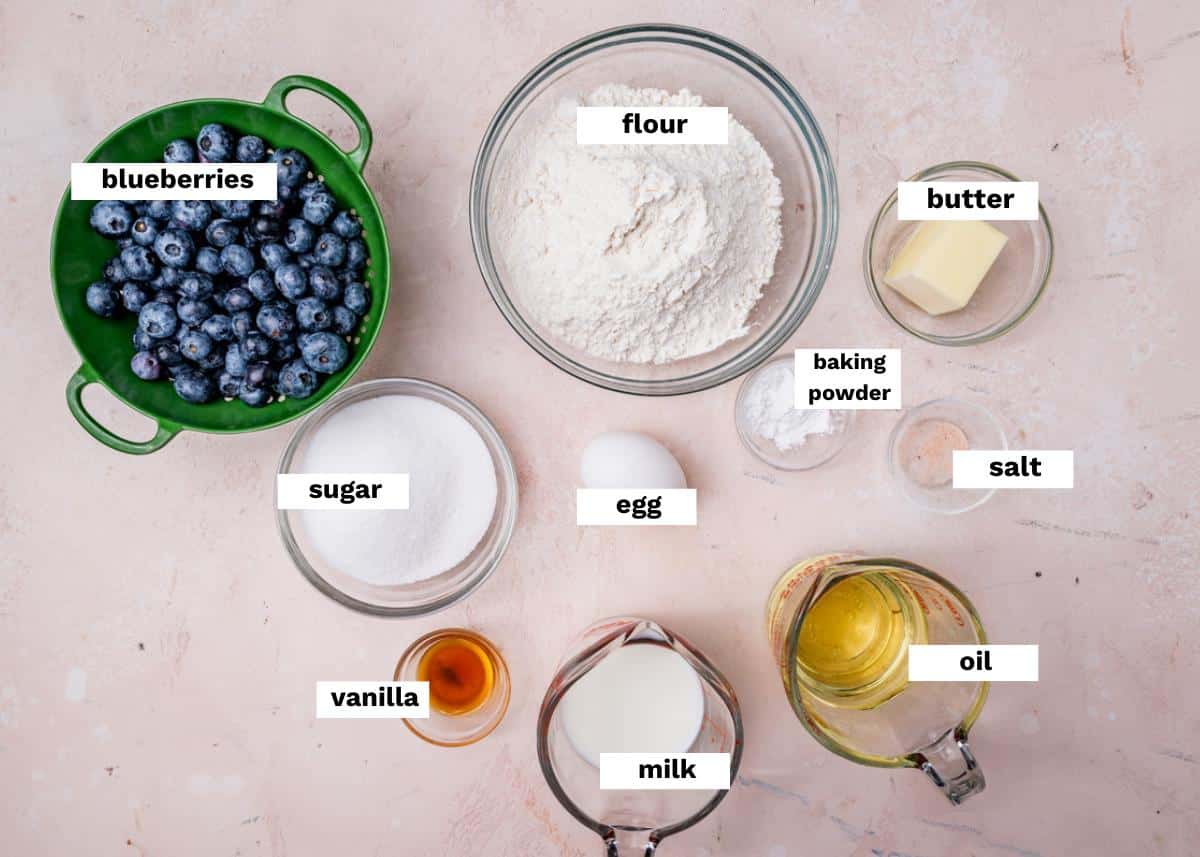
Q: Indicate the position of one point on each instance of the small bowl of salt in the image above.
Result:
(776, 431)
(462, 498)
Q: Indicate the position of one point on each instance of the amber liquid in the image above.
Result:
(460, 673)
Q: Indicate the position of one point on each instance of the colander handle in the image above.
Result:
(87, 375)
(275, 100)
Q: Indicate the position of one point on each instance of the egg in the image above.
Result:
(629, 459)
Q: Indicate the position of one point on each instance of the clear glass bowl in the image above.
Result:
(1007, 294)
(928, 483)
(460, 729)
(424, 596)
(816, 450)
(725, 74)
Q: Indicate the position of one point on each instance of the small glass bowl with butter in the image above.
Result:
(1011, 284)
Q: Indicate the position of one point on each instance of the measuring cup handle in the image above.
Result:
(952, 767)
(86, 375)
(278, 92)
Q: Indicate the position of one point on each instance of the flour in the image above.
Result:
(638, 254)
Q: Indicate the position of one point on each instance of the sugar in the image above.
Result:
(452, 489)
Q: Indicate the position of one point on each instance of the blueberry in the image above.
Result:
(174, 247)
(215, 143)
(318, 208)
(265, 229)
(235, 361)
(285, 194)
(237, 260)
(292, 281)
(300, 235)
(261, 284)
(237, 299)
(193, 386)
(103, 300)
(179, 151)
(168, 353)
(306, 190)
(297, 380)
(344, 321)
(191, 214)
(133, 297)
(208, 261)
(158, 319)
(139, 263)
(276, 322)
(293, 167)
(228, 385)
(251, 149)
(255, 346)
(170, 297)
(213, 360)
(346, 225)
(356, 255)
(111, 218)
(330, 250)
(196, 286)
(324, 283)
(324, 352)
(255, 397)
(307, 261)
(283, 352)
(218, 327)
(356, 298)
(142, 341)
(195, 345)
(192, 311)
(114, 271)
(146, 366)
(233, 209)
(222, 232)
(274, 255)
(313, 314)
(243, 323)
(273, 209)
(143, 231)
(259, 375)
(159, 209)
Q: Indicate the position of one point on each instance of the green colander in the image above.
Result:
(77, 255)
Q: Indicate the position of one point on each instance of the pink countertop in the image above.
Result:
(158, 650)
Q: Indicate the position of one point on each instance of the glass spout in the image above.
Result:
(630, 843)
(952, 767)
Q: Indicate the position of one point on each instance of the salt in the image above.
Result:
(452, 489)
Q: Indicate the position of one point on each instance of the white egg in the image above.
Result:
(629, 459)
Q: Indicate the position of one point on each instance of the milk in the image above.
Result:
(642, 698)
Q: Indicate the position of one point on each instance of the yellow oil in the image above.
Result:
(852, 649)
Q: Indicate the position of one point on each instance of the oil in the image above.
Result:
(460, 673)
(852, 648)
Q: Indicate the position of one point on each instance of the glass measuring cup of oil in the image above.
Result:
(840, 627)
(631, 685)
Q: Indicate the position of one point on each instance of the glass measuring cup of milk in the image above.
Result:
(631, 685)
(840, 626)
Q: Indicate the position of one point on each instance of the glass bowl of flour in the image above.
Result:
(654, 269)
(462, 498)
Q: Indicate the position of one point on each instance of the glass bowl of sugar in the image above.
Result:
(654, 269)
(462, 498)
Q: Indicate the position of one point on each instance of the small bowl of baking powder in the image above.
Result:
(776, 431)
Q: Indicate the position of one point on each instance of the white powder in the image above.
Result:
(768, 409)
(452, 489)
(640, 254)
